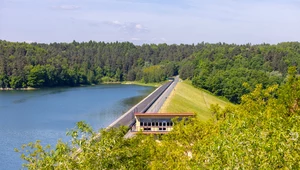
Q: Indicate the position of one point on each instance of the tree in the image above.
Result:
(36, 76)
(186, 70)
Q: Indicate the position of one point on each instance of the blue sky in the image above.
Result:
(151, 21)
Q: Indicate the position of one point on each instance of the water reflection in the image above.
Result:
(39, 93)
(132, 100)
(135, 99)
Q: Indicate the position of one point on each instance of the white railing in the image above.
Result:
(151, 128)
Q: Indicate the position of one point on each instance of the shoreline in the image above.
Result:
(142, 84)
(10, 89)
(83, 85)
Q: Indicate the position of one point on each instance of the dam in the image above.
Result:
(152, 103)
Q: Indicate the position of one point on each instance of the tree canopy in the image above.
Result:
(72, 64)
(223, 68)
(219, 68)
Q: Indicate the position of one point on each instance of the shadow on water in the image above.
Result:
(21, 100)
(53, 91)
(132, 100)
(136, 99)
(56, 91)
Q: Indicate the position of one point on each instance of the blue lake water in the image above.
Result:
(47, 114)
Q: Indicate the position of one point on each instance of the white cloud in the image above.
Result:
(67, 7)
(135, 39)
(163, 39)
(128, 27)
(158, 40)
(29, 41)
(116, 22)
(138, 26)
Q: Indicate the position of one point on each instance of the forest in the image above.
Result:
(260, 133)
(71, 64)
(228, 70)
(223, 69)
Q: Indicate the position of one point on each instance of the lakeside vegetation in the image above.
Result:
(260, 133)
(219, 68)
(72, 64)
(186, 98)
(142, 83)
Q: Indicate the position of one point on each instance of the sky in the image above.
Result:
(151, 21)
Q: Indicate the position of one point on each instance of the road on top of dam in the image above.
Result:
(152, 103)
(156, 106)
(156, 103)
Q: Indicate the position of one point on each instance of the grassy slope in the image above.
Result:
(186, 98)
(142, 84)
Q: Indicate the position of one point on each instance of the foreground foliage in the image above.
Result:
(260, 133)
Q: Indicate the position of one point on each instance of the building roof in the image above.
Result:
(164, 114)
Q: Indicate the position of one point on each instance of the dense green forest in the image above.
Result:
(260, 133)
(72, 64)
(222, 69)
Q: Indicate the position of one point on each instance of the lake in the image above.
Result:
(47, 114)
